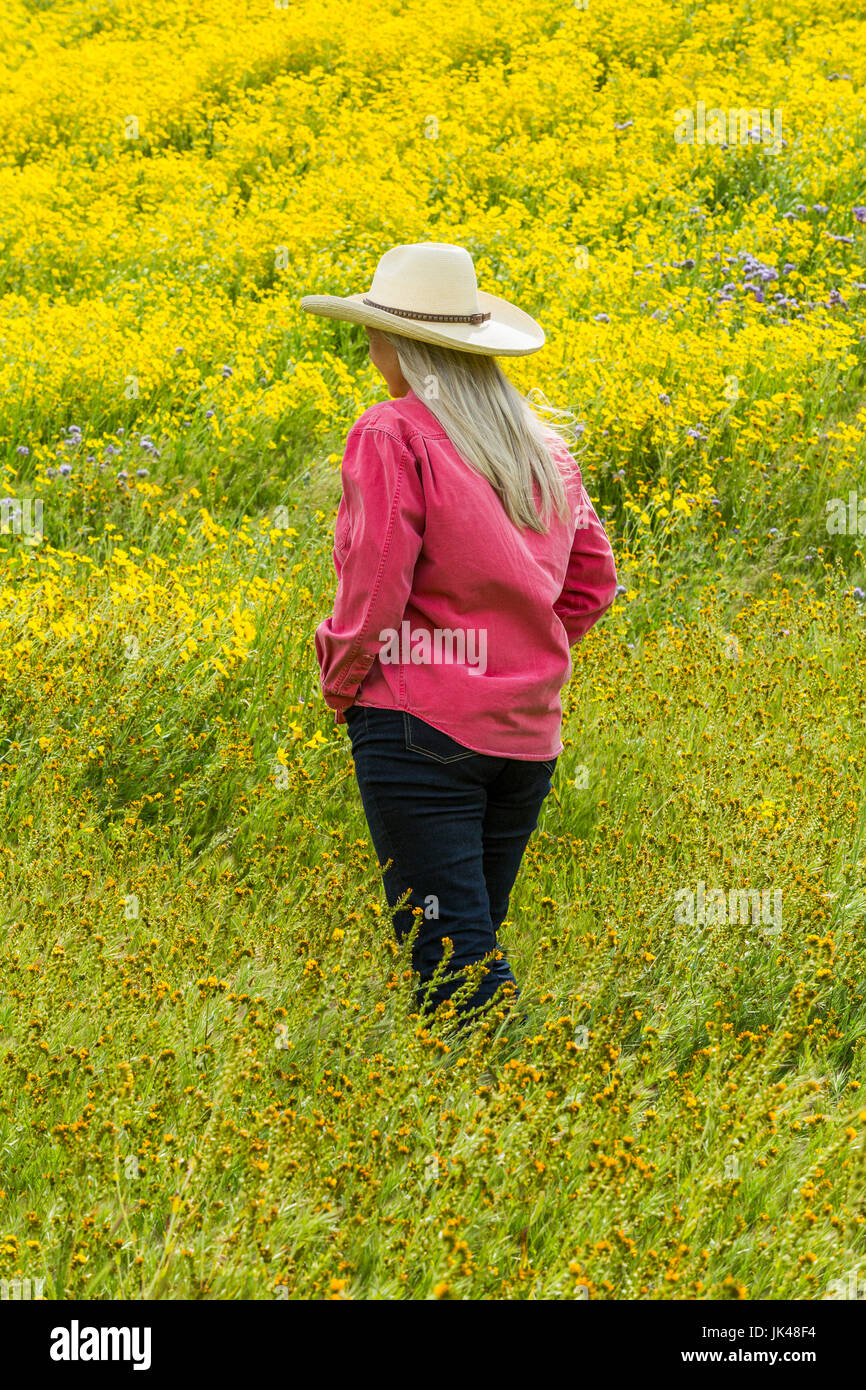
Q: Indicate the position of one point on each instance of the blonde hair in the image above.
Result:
(492, 426)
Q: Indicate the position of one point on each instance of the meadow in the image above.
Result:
(212, 1081)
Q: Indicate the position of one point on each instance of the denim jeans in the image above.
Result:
(455, 825)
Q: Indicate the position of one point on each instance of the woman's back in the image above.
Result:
(446, 608)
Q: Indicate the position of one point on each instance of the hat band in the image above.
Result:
(429, 318)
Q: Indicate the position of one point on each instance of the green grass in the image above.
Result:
(208, 1029)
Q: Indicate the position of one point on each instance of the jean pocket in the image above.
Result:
(551, 766)
(421, 737)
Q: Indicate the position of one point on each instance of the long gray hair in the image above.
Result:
(492, 426)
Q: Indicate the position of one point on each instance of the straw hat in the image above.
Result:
(428, 290)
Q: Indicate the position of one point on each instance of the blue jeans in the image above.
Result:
(454, 824)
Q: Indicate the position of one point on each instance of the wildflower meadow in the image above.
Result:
(214, 1084)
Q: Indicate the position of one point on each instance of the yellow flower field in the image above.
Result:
(212, 1083)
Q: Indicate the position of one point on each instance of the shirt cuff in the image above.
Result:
(338, 702)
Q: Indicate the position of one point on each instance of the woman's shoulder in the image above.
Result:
(402, 417)
(379, 415)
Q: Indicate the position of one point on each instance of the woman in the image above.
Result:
(469, 559)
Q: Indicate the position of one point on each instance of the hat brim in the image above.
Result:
(509, 332)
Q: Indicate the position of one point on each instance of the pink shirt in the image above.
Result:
(445, 608)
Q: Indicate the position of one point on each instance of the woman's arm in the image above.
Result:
(590, 580)
(384, 510)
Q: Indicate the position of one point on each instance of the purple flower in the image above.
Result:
(859, 214)
(664, 398)
(142, 472)
(602, 318)
(819, 208)
(22, 450)
(836, 298)
(208, 414)
(51, 472)
(753, 266)
(788, 267)
(65, 469)
(226, 371)
(122, 475)
(859, 594)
